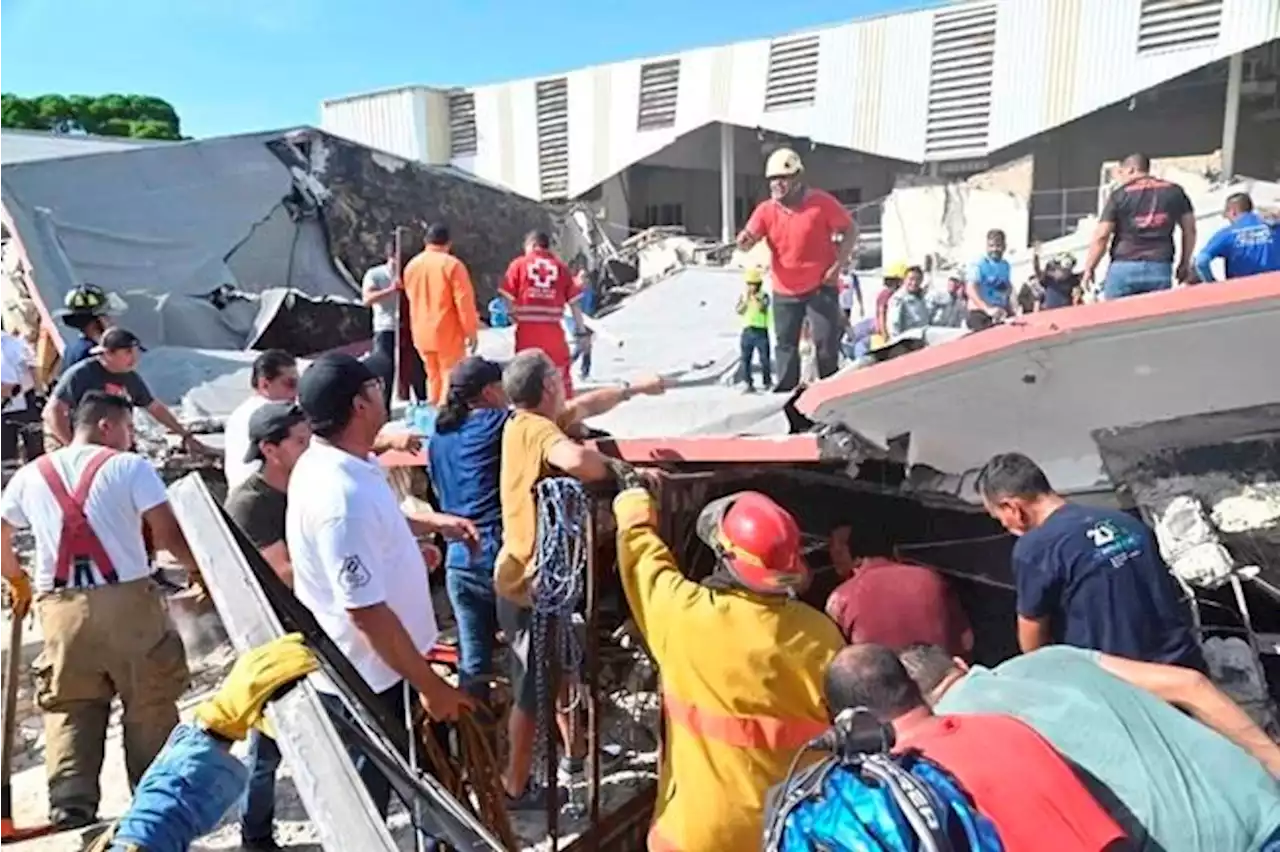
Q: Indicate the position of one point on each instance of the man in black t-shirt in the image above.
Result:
(278, 434)
(1138, 221)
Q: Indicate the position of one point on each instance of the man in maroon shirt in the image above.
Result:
(1015, 777)
(801, 225)
(892, 603)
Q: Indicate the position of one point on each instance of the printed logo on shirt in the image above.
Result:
(353, 575)
(116, 390)
(543, 273)
(1114, 544)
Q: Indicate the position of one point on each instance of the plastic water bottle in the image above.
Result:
(498, 315)
(424, 422)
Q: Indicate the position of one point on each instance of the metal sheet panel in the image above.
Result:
(384, 120)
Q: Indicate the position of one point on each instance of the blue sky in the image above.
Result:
(231, 66)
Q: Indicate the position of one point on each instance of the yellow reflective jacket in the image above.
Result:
(741, 682)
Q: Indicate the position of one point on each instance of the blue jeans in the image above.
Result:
(1134, 277)
(258, 807)
(469, 583)
(756, 340)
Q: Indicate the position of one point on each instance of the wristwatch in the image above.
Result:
(627, 393)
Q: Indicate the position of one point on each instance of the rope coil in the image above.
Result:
(561, 558)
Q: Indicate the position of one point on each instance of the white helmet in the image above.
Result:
(783, 163)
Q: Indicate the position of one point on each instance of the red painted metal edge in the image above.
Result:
(1040, 327)
(728, 449)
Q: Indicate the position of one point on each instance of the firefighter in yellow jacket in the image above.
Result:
(741, 663)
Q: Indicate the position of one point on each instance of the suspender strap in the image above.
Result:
(78, 542)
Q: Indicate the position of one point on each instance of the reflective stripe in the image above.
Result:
(537, 313)
(767, 732)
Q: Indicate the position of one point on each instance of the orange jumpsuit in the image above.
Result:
(539, 285)
(442, 314)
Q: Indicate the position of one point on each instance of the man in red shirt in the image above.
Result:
(1013, 775)
(891, 603)
(800, 225)
(538, 285)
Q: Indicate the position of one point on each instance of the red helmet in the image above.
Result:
(758, 541)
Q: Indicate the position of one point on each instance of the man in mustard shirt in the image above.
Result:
(534, 446)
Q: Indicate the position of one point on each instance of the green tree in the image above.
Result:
(137, 116)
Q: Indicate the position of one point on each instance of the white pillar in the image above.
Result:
(728, 229)
(1231, 117)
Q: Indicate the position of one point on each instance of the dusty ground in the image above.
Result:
(209, 660)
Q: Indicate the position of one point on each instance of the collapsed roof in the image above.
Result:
(1043, 383)
(207, 241)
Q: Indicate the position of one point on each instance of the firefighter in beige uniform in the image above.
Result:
(106, 631)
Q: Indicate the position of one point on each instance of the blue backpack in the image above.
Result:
(877, 803)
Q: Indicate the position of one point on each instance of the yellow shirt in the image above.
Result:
(527, 438)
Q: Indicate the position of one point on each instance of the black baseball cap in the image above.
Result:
(115, 339)
(271, 423)
(471, 376)
(327, 387)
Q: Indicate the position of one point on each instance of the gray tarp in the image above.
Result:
(165, 226)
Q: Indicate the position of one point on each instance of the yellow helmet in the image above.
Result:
(754, 275)
(783, 163)
(897, 269)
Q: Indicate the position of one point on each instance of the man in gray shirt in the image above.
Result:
(381, 291)
(111, 370)
(907, 307)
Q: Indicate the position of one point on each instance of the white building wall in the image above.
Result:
(394, 121)
(1055, 61)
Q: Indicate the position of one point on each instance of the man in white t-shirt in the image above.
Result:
(19, 412)
(274, 379)
(356, 563)
(106, 631)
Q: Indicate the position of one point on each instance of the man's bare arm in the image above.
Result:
(747, 240)
(1186, 259)
(578, 461)
(57, 419)
(1097, 247)
(10, 566)
(1033, 633)
(1195, 693)
(169, 536)
(277, 556)
(601, 400)
(386, 634)
(970, 290)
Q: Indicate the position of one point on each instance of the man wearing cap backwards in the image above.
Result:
(534, 446)
(106, 631)
(111, 370)
(356, 563)
(277, 434)
(801, 225)
(538, 286)
(741, 662)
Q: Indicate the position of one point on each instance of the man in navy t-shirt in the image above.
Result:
(1087, 577)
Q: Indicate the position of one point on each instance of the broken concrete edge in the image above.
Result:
(331, 790)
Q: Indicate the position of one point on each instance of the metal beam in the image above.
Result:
(333, 794)
(728, 181)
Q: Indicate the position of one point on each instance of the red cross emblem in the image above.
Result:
(543, 273)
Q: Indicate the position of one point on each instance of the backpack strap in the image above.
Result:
(916, 801)
(77, 540)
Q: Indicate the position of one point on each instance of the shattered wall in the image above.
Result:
(371, 193)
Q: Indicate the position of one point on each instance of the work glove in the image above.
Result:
(19, 587)
(625, 475)
(634, 508)
(259, 676)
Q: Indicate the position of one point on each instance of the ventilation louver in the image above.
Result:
(963, 59)
(553, 137)
(793, 73)
(1172, 24)
(462, 124)
(659, 87)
